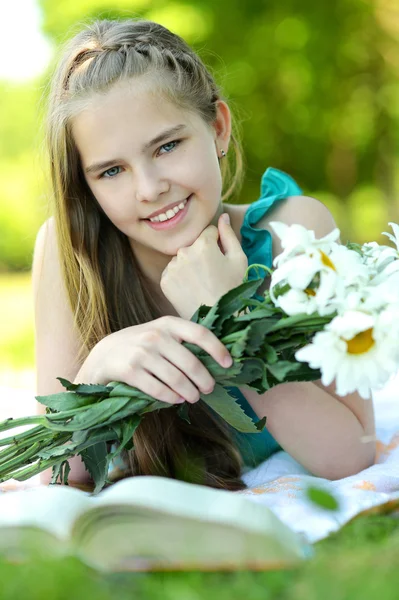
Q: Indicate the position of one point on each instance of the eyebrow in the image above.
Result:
(156, 140)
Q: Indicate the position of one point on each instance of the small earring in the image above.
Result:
(223, 153)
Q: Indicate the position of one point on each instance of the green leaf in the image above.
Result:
(182, 411)
(251, 369)
(261, 424)
(227, 407)
(80, 436)
(222, 375)
(232, 301)
(128, 428)
(256, 335)
(96, 414)
(263, 312)
(95, 436)
(211, 317)
(281, 368)
(239, 346)
(132, 408)
(66, 400)
(66, 472)
(303, 373)
(269, 354)
(200, 313)
(301, 321)
(96, 462)
(47, 453)
(322, 498)
(356, 247)
(154, 405)
(56, 470)
(123, 389)
(91, 389)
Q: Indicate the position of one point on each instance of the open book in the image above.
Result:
(148, 523)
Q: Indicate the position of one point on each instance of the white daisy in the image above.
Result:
(296, 239)
(303, 293)
(356, 349)
(378, 257)
(322, 279)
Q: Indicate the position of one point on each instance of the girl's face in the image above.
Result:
(145, 169)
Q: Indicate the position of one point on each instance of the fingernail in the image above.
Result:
(180, 400)
(226, 218)
(227, 362)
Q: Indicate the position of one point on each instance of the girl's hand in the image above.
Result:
(204, 271)
(150, 357)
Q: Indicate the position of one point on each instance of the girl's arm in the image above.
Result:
(320, 430)
(56, 340)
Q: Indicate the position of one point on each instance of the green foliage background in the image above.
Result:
(314, 86)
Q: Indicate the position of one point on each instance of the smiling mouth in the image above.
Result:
(170, 218)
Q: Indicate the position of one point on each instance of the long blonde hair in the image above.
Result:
(106, 288)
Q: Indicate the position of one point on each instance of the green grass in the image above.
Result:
(16, 322)
(360, 562)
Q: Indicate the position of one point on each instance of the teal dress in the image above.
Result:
(257, 245)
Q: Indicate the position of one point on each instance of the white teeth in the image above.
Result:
(169, 213)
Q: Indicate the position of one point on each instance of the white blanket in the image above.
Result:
(280, 481)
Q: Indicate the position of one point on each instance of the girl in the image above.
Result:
(138, 136)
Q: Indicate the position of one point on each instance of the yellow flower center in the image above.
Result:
(361, 343)
(326, 261)
(310, 292)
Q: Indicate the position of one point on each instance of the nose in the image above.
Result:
(149, 183)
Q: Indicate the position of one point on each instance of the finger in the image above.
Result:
(210, 233)
(195, 333)
(149, 384)
(227, 236)
(166, 367)
(184, 371)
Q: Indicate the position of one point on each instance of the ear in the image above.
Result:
(222, 125)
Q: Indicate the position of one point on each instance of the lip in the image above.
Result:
(170, 223)
(164, 209)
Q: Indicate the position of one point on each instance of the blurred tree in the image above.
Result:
(23, 206)
(314, 85)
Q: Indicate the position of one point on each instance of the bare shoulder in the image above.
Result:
(303, 210)
(236, 213)
(56, 338)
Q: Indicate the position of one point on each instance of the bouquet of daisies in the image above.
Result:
(331, 313)
(358, 288)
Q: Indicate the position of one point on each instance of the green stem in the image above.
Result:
(254, 266)
(19, 437)
(10, 423)
(301, 321)
(31, 470)
(8, 470)
(10, 465)
(9, 453)
(65, 414)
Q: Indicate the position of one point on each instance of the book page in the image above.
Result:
(194, 501)
(52, 508)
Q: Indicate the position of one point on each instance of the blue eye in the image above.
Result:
(175, 142)
(109, 176)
